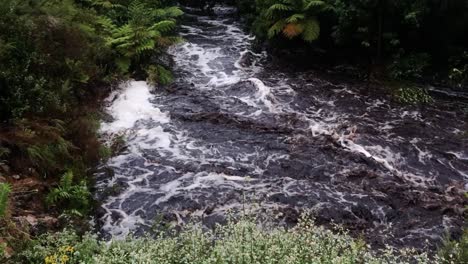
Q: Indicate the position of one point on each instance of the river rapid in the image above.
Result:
(237, 134)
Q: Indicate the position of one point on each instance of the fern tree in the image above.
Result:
(145, 31)
(293, 18)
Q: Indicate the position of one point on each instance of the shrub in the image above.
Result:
(455, 251)
(241, 242)
(409, 66)
(74, 198)
(412, 94)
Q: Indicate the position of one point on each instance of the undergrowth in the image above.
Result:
(237, 242)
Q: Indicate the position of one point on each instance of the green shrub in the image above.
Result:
(55, 248)
(55, 57)
(158, 75)
(73, 198)
(409, 66)
(412, 94)
(241, 242)
(455, 251)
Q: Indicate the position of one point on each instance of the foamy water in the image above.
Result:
(235, 133)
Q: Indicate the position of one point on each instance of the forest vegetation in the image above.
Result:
(59, 58)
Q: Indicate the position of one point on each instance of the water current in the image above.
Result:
(236, 133)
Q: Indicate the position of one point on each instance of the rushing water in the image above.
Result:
(236, 133)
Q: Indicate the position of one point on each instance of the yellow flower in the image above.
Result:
(67, 249)
(50, 259)
(64, 259)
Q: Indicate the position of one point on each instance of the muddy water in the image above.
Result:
(236, 133)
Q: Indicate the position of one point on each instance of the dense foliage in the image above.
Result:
(241, 242)
(409, 39)
(56, 57)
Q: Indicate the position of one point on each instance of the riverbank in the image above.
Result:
(59, 60)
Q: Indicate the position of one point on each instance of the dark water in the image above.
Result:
(236, 133)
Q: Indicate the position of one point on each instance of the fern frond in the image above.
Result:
(5, 190)
(67, 180)
(169, 12)
(292, 30)
(295, 18)
(146, 46)
(277, 8)
(163, 26)
(276, 28)
(314, 4)
(311, 30)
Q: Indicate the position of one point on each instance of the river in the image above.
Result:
(237, 134)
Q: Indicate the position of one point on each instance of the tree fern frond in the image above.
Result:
(277, 8)
(311, 30)
(163, 26)
(276, 28)
(295, 18)
(146, 46)
(292, 30)
(314, 4)
(171, 12)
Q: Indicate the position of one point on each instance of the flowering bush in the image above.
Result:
(241, 242)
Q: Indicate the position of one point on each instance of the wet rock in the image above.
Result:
(247, 59)
(291, 216)
(106, 117)
(212, 220)
(363, 213)
(116, 216)
(164, 59)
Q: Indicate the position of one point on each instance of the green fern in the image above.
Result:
(311, 30)
(293, 18)
(5, 190)
(146, 32)
(70, 196)
(158, 75)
